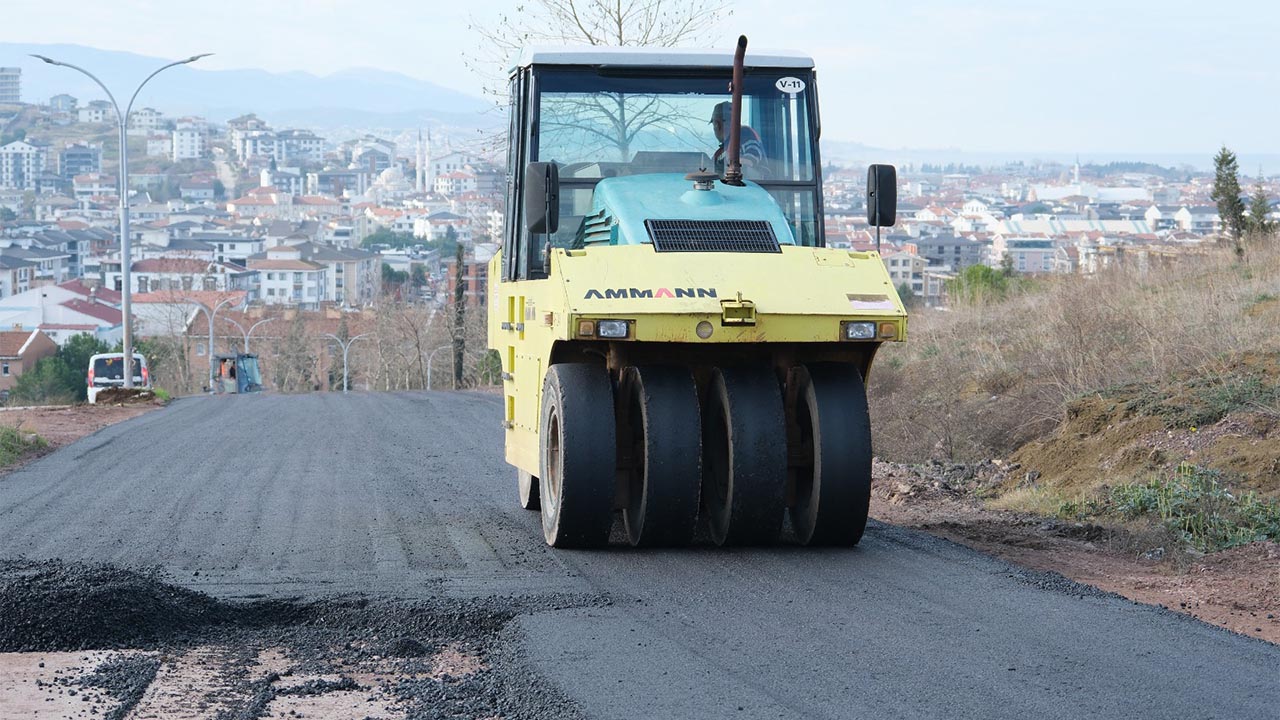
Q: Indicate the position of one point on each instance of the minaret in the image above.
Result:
(1076, 172)
(428, 180)
(417, 159)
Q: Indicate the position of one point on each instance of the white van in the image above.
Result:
(106, 370)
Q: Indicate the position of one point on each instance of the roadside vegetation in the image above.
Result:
(1145, 395)
(59, 379)
(16, 445)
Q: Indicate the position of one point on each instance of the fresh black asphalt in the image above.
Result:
(405, 497)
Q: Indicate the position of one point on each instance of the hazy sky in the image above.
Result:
(1117, 76)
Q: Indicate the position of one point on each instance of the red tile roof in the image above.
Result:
(172, 265)
(204, 297)
(78, 287)
(11, 342)
(105, 313)
(283, 264)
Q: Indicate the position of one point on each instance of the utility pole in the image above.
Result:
(459, 315)
(346, 347)
(125, 263)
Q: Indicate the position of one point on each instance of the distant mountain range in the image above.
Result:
(358, 97)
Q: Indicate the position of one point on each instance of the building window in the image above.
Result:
(5, 369)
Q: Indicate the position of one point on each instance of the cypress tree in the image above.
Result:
(1260, 223)
(1226, 193)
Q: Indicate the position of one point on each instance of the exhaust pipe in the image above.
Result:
(733, 163)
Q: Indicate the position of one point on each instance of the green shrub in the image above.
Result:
(1196, 506)
(15, 444)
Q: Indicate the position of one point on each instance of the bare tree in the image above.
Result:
(296, 358)
(661, 23)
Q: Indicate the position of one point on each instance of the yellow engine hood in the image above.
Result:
(635, 280)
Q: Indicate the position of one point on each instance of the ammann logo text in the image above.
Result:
(621, 293)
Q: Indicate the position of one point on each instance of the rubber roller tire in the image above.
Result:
(744, 456)
(528, 488)
(578, 456)
(659, 428)
(832, 486)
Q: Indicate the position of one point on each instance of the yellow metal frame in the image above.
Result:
(798, 300)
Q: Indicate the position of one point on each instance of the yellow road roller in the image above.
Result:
(679, 347)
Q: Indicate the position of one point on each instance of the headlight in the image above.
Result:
(612, 329)
(859, 331)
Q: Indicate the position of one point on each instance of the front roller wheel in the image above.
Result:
(832, 478)
(528, 485)
(578, 455)
(744, 456)
(658, 419)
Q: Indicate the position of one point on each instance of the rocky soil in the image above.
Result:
(65, 424)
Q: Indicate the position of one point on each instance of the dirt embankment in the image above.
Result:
(63, 425)
(1228, 422)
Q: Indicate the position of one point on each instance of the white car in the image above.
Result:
(106, 370)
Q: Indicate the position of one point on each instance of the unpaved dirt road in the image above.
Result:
(404, 498)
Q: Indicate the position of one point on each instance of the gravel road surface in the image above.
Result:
(404, 498)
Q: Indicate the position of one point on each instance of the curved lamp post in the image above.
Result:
(248, 333)
(432, 357)
(211, 314)
(123, 118)
(346, 347)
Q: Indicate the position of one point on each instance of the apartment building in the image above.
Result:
(79, 159)
(22, 164)
(286, 279)
(188, 144)
(10, 85)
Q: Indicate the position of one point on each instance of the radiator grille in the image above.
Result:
(742, 236)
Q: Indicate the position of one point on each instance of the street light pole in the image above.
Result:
(123, 119)
(249, 333)
(346, 347)
(432, 357)
(210, 314)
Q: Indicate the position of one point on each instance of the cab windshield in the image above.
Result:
(598, 124)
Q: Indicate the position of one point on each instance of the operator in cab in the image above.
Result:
(751, 154)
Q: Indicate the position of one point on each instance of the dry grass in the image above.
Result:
(983, 379)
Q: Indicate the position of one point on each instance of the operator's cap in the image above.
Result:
(722, 111)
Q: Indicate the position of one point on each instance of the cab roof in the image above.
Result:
(658, 57)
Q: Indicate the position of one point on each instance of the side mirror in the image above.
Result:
(542, 197)
(882, 195)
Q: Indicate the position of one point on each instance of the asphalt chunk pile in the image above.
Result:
(51, 605)
(429, 659)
